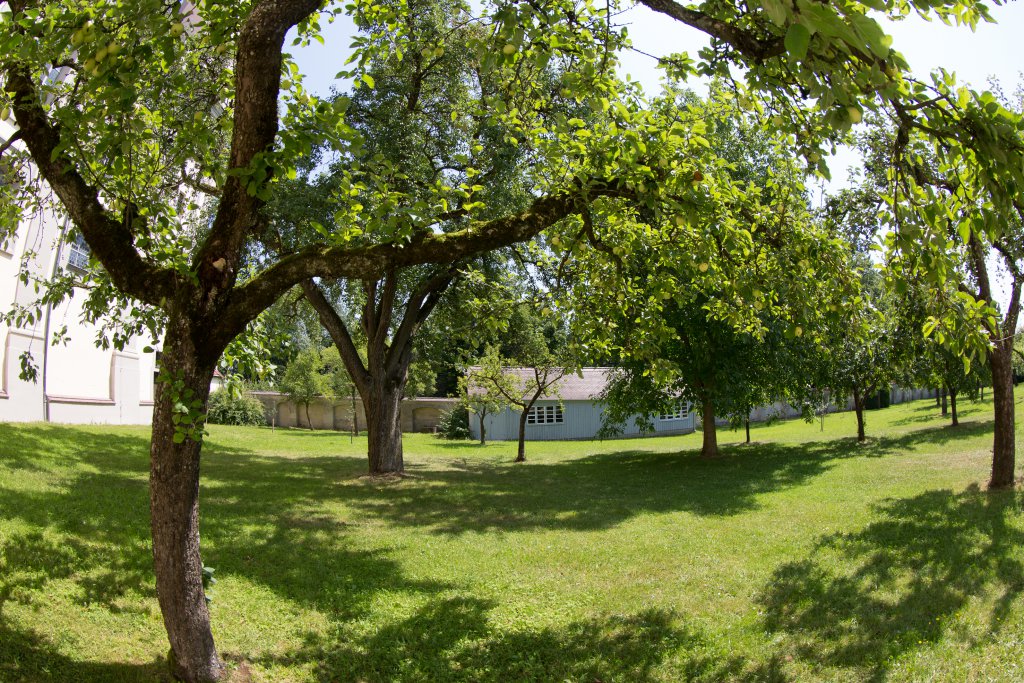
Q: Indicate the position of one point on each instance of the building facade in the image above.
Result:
(77, 381)
(572, 410)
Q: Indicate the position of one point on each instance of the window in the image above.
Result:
(680, 412)
(545, 415)
(78, 253)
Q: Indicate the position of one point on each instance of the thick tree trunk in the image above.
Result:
(1004, 440)
(952, 407)
(858, 407)
(709, 448)
(383, 405)
(521, 452)
(174, 510)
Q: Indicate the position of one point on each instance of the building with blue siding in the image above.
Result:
(572, 409)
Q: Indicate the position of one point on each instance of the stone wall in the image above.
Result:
(418, 414)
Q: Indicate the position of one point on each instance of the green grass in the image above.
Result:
(801, 557)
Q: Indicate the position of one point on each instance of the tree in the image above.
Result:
(721, 304)
(481, 397)
(536, 374)
(305, 380)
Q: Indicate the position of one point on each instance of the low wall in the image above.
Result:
(785, 411)
(418, 414)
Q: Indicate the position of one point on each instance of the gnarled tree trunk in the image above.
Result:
(383, 406)
(174, 510)
(1004, 441)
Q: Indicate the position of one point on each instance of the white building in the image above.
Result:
(77, 382)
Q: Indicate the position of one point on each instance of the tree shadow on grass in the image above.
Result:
(28, 657)
(863, 599)
(939, 435)
(81, 521)
(593, 492)
(452, 639)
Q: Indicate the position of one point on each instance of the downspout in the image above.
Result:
(46, 320)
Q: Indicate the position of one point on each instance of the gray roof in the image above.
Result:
(587, 385)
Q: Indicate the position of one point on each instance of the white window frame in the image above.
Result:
(682, 411)
(547, 414)
(78, 253)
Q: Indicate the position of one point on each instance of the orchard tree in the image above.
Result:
(191, 106)
(522, 380)
(478, 397)
(304, 381)
(723, 303)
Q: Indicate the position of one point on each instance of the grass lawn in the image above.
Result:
(801, 557)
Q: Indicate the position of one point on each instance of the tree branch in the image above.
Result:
(110, 240)
(257, 84)
(336, 327)
(749, 45)
(370, 262)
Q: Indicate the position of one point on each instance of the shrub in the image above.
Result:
(226, 410)
(454, 424)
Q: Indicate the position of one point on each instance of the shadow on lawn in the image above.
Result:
(88, 526)
(452, 639)
(860, 600)
(603, 490)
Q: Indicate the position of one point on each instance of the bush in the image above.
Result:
(226, 410)
(454, 424)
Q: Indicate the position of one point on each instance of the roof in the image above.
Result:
(586, 385)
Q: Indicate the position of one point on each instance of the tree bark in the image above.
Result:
(945, 402)
(383, 406)
(521, 452)
(309, 422)
(709, 448)
(483, 433)
(858, 407)
(952, 407)
(1004, 442)
(747, 424)
(174, 513)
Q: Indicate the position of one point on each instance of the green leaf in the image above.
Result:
(798, 38)
(775, 10)
(368, 80)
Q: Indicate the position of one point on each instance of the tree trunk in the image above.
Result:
(1003, 446)
(952, 407)
(309, 422)
(174, 510)
(709, 448)
(858, 407)
(483, 432)
(747, 424)
(938, 398)
(945, 402)
(521, 453)
(383, 406)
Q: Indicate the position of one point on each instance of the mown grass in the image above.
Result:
(801, 557)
